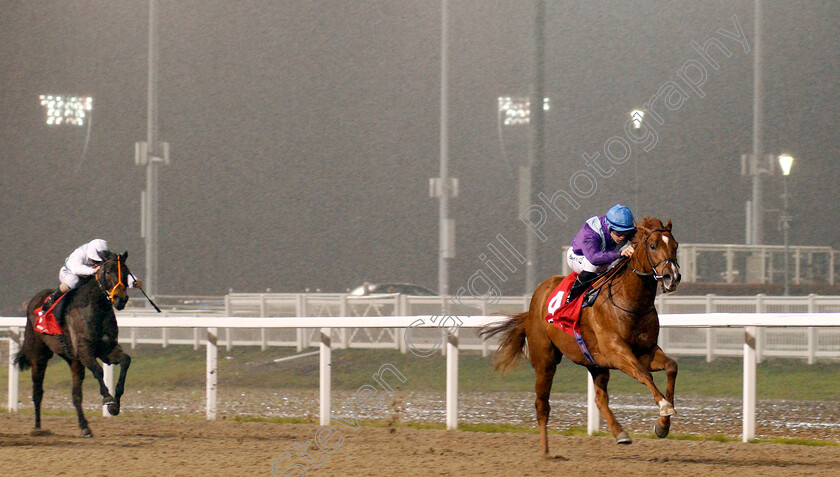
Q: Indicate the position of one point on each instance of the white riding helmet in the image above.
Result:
(95, 247)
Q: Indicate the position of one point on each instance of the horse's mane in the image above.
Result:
(107, 255)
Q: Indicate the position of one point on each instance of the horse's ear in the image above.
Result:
(668, 225)
(124, 255)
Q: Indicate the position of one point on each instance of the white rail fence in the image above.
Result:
(805, 343)
(750, 323)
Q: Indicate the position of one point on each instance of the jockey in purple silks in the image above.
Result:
(597, 246)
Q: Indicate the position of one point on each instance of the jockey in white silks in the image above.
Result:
(83, 262)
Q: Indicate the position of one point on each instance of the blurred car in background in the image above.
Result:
(389, 288)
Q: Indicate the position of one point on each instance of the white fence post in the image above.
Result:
(108, 378)
(325, 385)
(14, 373)
(403, 311)
(593, 415)
(301, 311)
(750, 357)
(342, 332)
(212, 372)
(813, 340)
(662, 307)
(485, 347)
(710, 332)
(451, 380)
(760, 307)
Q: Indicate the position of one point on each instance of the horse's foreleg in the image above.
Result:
(78, 371)
(661, 361)
(601, 378)
(89, 361)
(118, 356)
(630, 364)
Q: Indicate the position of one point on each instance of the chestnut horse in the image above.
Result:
(620, 329)
(90, 326)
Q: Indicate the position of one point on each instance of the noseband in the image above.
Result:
(104, 287)
(653, 273)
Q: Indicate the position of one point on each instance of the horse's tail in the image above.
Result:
(512, 342)
(20, 359)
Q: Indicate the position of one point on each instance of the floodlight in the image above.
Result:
(70, 110)
(516, 110)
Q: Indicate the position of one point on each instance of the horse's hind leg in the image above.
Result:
(118, 356)
(662, 361)
(78, 371)
(39, 369)
(601, 378)
(545, 365)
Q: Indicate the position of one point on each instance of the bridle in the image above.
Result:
(614, 272)
(104, 286)
(653, 273)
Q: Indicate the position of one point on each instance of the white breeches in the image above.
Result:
(579, 263)
(68, 278)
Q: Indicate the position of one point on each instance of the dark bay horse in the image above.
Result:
(90, 327)
(620, 329)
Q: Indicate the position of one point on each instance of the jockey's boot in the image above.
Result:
(580, 285)
(50, 300)
(64, 344)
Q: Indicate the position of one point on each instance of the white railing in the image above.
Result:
(806, 343)
(751, 323)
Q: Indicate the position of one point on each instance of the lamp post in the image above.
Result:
(786, 161)
(515, 114)
(637, 115)
(151, 154)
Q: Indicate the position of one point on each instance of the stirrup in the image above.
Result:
(50, 300)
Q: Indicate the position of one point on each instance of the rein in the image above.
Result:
(609, 277)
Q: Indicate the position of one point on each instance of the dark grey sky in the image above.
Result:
(304, 133)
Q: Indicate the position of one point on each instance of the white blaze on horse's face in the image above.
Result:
(668, 269)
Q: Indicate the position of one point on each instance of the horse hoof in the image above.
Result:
(114, 409)
(660, 431)
(86, 433)
(623, 438)
(40, 432)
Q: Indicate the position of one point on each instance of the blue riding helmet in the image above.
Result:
(620, 219)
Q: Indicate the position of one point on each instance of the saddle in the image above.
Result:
(566, 316)
(52, 321)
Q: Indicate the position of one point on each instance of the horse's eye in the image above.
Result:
(653, 246)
